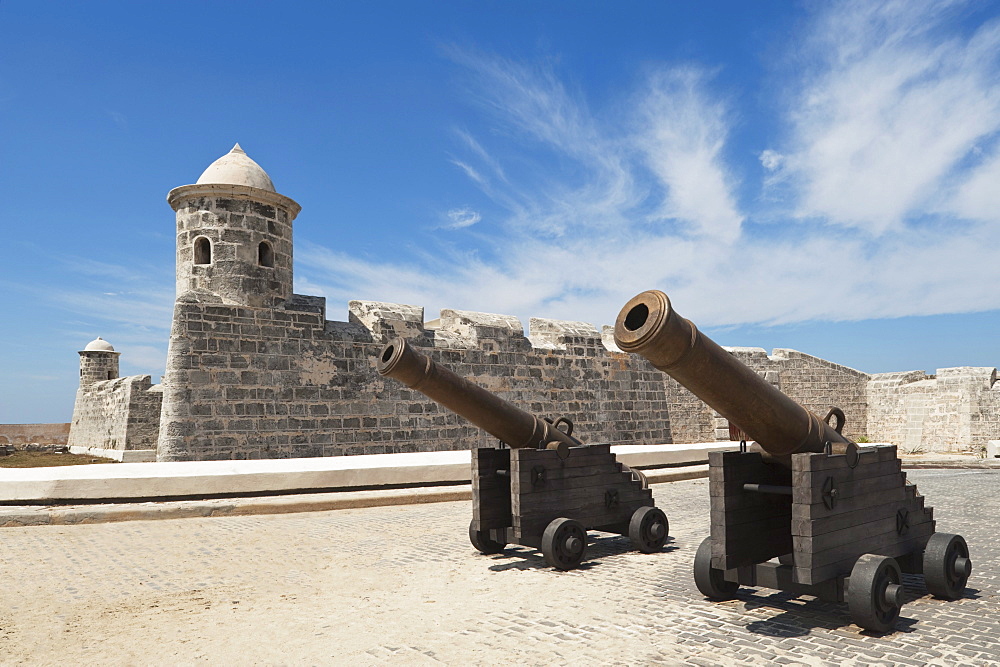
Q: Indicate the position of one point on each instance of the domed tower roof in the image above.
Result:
(236, 168)
(99, 345)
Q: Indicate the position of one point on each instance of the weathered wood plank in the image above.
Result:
(821, 525)
(857, 547)
(734, 459)
(749, 500)
(491, 482)
(536, 524)
(490, 492)
(735, 517)
(782, 578)
(807, 478)
(579, 507)
(842, 568)
(554, 500)
(729, 480)
(531, 455)
(749, 532)
(525, 475)
(818, 510)
(857, 532)
(751, 552)
(487, 459)
(848, 489)
(581, 482)
(518, 465)
(816, 462)
(489, 524)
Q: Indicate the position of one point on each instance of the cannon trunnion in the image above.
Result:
(803, 510)
(545, 489)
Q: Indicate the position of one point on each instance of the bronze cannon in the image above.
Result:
(546, 489)
(841, 520)
(648, 326)
(512, 426)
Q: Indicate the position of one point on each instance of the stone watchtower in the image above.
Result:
(98, 361)
(234, 234)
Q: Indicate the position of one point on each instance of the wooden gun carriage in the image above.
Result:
(546, 489)
(841, 521)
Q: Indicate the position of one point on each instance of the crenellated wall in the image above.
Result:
(819, 385)
(957, 409)
(266, 383)
(258, 382)
(246, 382)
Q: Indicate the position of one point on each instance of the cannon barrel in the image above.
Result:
(648, 326)
(511, 425)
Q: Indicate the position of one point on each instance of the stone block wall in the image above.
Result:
(819, 385)
(958, 409)
(43, 434)
(814, 383)
(121, 414)
(246, 382)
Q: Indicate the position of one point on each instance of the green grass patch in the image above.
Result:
(46, 459)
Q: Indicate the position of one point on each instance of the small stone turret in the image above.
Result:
(98, 361)
(234, 234)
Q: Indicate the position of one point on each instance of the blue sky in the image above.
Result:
(819, 176)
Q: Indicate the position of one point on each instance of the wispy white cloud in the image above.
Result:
(894, 108)
(147, 308)
(460, 218)
(130, 306)
(482, 154)
(770, 159)
(637, 203)
(878, 196)
(682, 137)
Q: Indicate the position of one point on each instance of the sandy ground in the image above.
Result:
(402, 585)
(293, 589)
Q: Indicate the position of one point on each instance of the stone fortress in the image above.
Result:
(256, 371)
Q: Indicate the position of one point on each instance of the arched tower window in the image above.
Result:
(265, 254)
(202, 251)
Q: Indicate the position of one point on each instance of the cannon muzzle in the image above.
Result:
(511, 425)
(650, 327)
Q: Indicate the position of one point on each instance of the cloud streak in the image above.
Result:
(878, 194)
(128, 306)
(460, 218)
(884, 126)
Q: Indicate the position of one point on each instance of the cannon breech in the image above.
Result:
(650, 327)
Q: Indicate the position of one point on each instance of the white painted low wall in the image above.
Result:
(207, 478)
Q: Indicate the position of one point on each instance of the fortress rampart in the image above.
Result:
(954, 410)
(255, 371)
(251, 382)
(118, 415)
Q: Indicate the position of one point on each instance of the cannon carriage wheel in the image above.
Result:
(708, 579)
(875, 593)
(648, 529)
(482, 541)
(564, 543)
(946, 565)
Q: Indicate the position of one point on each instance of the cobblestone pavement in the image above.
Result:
(403, 585)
